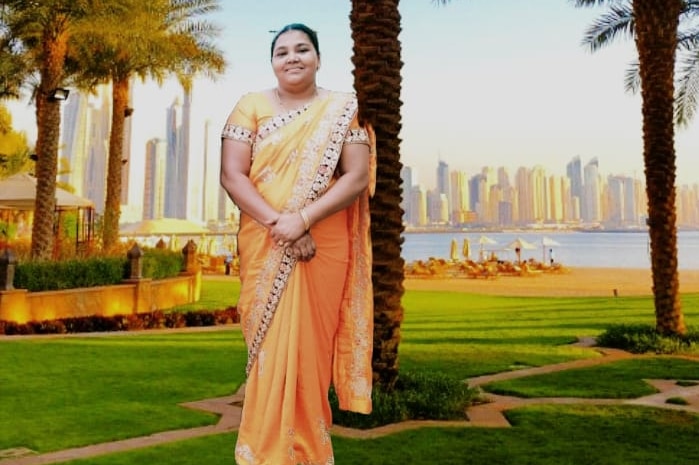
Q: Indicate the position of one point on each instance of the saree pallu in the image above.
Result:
(306, 324)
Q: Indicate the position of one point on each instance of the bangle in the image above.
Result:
(304, 217)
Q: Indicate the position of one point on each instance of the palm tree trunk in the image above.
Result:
(112, 207)
(48, 116)
(656, 40)
(377, 81)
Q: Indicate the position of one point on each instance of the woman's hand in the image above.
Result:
(288, 228)
(304, 249)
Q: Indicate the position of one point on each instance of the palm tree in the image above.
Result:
(43, 29)
(655, 30)
(377, 81)
(619, 22)
(40, 32)
(152, 39)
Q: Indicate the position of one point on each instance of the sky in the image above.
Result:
(485, 83)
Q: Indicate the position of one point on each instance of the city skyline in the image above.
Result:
(492, 196)
(483, 81)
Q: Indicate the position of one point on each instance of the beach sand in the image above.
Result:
(573, 282)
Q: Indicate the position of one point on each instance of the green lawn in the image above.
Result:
(542, 435)
(69, 391)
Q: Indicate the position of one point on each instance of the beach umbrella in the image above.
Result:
(518, 245)
(547, 242)
(454, 252)
(486, 240)
(483, 240)
(466, 250)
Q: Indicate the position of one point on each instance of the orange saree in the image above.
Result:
(306, 324)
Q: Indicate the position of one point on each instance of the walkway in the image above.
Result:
(487, 415)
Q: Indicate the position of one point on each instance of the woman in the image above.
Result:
(300, 168)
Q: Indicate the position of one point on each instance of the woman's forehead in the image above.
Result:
(292, 38)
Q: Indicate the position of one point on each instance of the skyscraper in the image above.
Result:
(175, 197)
(590, 205)
(406, 176)
(154, 185)
(85, 143)
(574, 173)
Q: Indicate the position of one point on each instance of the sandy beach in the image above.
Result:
(573, 282)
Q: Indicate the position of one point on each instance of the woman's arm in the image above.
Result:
(235, 170)
(353, 180)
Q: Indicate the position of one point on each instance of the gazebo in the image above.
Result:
(18, 192)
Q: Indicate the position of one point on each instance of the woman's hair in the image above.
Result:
(297, 27)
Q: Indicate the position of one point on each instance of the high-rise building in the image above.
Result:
(574, 173)
(540, 194)
(418, 202)
(210, 181)
(443, 179)
(85, 143)
(555, 199)
(525, 194)
(592, 193)
(175, 198)
(406, 176)
(459, 197)
(154, 185)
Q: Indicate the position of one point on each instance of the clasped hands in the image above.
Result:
(289, 231)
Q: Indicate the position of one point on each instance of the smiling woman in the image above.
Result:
(297, 163)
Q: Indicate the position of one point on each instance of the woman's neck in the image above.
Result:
(290, 98)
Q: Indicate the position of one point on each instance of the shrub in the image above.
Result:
(161, 264)
(132, 322)
(36, 276)
(641, 339)
(417, 396)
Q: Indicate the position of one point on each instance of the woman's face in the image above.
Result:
(294, 59)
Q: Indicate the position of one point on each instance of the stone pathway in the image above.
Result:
(486, 415)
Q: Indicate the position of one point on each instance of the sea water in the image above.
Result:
(575, 249)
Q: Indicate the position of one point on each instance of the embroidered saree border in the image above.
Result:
(306, 191)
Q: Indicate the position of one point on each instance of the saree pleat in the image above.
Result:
(306, 324)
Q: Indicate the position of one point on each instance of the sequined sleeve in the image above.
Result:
(356, 134)
(241, 124)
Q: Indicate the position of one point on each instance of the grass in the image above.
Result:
(216, 295)
(71, 391)
(542, 435)
(67, 392)
(618, 380)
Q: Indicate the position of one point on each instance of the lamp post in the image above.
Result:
(59, 94)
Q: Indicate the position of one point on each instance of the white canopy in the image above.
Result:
(19, 192)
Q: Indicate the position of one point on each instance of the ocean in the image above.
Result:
(575, 249)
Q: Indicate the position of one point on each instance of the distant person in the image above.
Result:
(297, 163)
(551, 258)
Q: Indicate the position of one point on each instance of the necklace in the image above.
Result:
(284, 107)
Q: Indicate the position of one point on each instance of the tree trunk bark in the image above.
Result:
(377, 81)
(656, 23)
(112, 207)
(48, 116)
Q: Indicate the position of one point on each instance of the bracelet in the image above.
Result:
(304, 217)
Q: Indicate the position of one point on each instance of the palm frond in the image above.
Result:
(617, 22)
(687, 88)
(591, 3)
(688, 39)
(632, 77)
